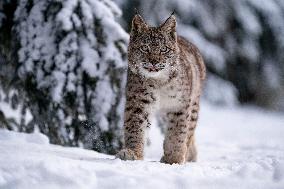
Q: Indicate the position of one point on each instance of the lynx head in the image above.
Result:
(153, 51)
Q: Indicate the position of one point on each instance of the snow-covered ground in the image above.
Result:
(238, 148)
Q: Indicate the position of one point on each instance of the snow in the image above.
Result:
(240, 147)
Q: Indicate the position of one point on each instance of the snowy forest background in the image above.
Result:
(63, 63)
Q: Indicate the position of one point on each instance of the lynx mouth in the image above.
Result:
(153, 68)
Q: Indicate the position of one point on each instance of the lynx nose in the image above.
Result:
(154, 61)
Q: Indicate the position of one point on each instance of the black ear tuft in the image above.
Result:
(136, 10)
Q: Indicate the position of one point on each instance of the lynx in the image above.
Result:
(165, 76)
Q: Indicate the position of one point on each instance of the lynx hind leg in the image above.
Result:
(126, 154)
(162, 121)
(175, 143)
(191, 154)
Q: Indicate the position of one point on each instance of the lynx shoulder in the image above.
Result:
(165, 77)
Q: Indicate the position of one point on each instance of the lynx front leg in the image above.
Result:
(136, 120)
(175, 144)
(135, 123)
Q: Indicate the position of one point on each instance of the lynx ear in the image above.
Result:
(138, 24)
(170, 25)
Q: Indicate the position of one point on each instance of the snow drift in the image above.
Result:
(238, 148)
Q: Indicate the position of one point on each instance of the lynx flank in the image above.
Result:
(165, 76)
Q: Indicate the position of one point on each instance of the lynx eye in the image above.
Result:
(164, 49)
(144, 48)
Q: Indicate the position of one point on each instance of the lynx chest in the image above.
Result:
(173, 96)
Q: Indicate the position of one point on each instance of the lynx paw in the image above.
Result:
(126, 154)
(172, 161)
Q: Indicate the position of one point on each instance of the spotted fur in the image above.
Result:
(165, 79)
